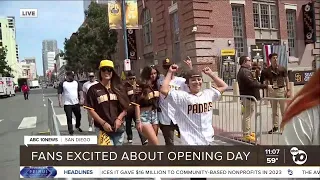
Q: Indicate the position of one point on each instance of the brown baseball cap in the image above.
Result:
(192, 73)
(167, 62)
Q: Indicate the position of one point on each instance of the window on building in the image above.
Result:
(175, 37)
(147, 33)
(291, 29)
(265, 15)
(0, 44)
(238, 29)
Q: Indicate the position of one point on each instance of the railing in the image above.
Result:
(235, 117)
(271, 111)
(228, 118)
(53, 125)
(52, 120)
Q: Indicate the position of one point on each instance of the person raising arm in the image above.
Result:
(194, 108)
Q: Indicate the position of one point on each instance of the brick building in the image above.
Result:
(167, 30)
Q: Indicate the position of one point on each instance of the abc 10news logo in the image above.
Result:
(298, 156)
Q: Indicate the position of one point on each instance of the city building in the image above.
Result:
(201, 29)
(29, 60)
(12, 24)
(17, 52)
(317, 44)
(60, 66)
(7, 40)
(51, 61)
(60, 61)
(28, 70)
(33, 66)
(48, 46)
(61, 73)
(16, 71)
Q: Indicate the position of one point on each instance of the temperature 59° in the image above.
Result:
(272, 160)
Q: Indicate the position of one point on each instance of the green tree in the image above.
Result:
(5, 69)
(93, 41)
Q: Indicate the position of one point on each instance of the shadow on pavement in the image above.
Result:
(76, 133)
(51, 95)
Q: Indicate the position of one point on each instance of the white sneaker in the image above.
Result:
(90, 129)
(129, 141)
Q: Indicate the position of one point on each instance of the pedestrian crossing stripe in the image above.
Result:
(28, 122)
(31, 122)
(62, 118)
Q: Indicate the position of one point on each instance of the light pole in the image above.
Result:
(124, 27)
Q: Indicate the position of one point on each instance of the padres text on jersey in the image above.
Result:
(199, 108)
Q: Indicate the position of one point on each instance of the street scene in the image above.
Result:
(32, 119)
(159, 73)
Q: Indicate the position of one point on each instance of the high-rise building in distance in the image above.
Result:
(48, 46)
(12, 24)
(29, 68)
(51, 60)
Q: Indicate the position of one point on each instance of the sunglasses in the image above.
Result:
(132, 78)
(104, 69)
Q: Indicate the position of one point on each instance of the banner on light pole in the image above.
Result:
(114, 14)
(132, 20)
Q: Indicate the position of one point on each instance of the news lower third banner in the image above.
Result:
(91, 161)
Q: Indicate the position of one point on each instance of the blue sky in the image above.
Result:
(56, 20)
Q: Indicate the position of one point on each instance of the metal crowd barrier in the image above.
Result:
(269, 118)
(52, 120)
(53, 123)
(228, 119)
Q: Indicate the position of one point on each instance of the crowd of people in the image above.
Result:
(154, 101)
(299, 121)
(172, 104)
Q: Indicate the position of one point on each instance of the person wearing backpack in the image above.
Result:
(25, 89)
(72, 94)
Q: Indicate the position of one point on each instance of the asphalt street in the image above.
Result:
(19, 117)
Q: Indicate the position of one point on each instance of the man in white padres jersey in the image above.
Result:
(166, 116)
(194, 109)
(86, 86)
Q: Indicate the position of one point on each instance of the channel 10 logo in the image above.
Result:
(298, 156)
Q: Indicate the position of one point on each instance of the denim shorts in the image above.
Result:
(149, 117)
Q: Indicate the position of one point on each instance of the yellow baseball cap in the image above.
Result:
(106, 63)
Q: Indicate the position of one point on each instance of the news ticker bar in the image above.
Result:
(169, 172)
(61, 140)
(93, 155)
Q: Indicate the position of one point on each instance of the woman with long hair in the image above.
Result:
(301, 120)
(107, 102)
(148, 103)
